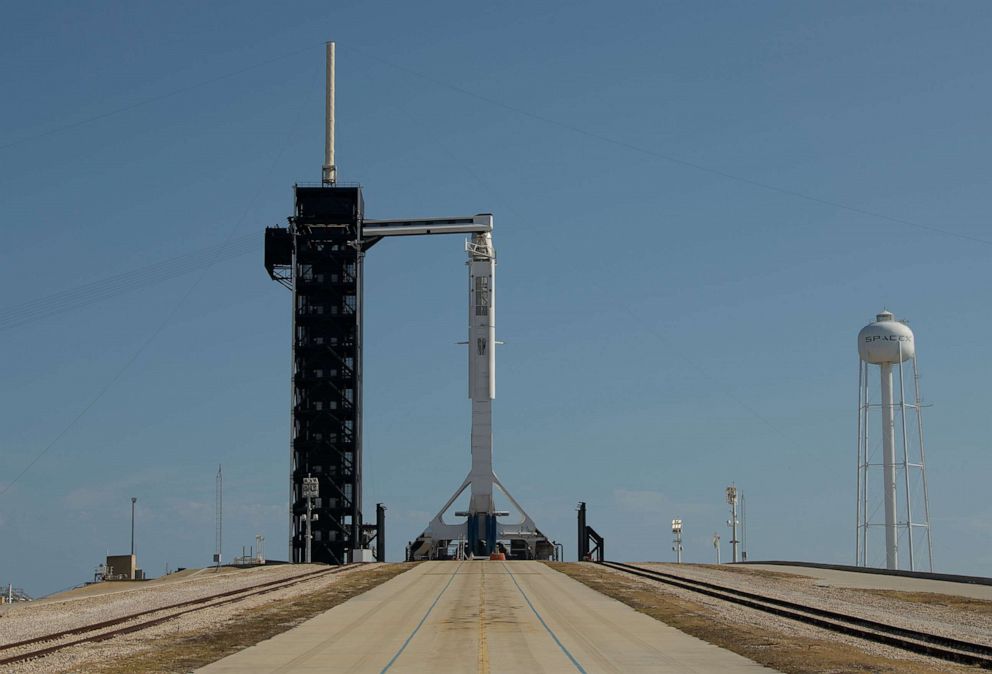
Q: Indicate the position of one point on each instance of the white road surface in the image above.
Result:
(483, 616)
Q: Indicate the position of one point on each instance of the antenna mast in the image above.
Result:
(329, 174)
(219, 513)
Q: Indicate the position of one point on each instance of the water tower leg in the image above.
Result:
(889, 467)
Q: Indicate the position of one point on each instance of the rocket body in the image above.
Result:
(482, 533)
(482, 368)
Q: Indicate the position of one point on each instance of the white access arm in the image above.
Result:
(471, 224)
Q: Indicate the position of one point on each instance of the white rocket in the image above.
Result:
(481, 529)
(481, 367)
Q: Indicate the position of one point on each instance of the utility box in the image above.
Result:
(121, 567)
(361, 556)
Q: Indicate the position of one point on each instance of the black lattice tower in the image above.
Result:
(319, 256)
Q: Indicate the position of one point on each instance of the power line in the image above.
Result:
(153, 99)
(168, 318)
(97, 291)
(645, 326)
(112, 286)
(668, 157)
(103, 390)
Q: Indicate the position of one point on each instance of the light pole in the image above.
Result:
(743, 529)
(677, 547)
(732, 522)
(716, 546)
(134, 500)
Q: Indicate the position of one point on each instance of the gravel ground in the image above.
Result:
(28, 621)
(25, 621)
(931, 618)
(730, 614)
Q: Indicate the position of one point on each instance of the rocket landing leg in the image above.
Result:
(481, 533)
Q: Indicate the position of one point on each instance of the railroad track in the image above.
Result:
(108, 629)
(945, 648)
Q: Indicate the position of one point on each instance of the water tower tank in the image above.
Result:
(886, 340)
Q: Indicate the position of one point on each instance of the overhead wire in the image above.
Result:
(84, 295)
(170, 315)
(678, 161)
(649, 329)
(153, 99)
(669, 157)
(105, 288)
(119, 284)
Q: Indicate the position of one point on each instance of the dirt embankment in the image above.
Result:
(775, 642)
(197, 639)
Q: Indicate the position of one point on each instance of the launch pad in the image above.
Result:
(320, 257)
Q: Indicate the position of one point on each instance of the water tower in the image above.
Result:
(887, 344)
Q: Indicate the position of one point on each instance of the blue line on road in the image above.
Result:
(421, 623)
(550, 631)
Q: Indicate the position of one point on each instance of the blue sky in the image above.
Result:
(697, 207)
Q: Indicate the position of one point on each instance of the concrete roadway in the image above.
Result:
(483, 616)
